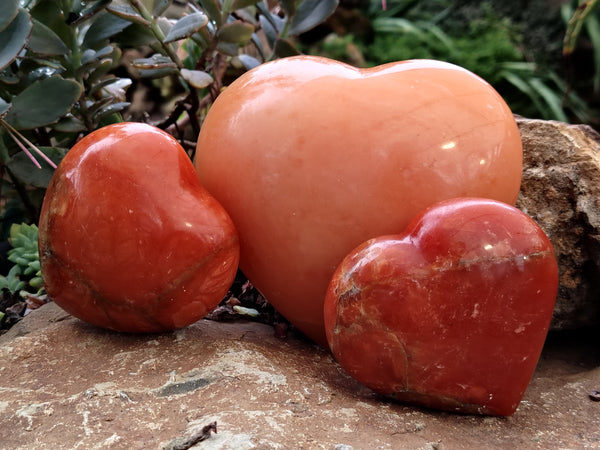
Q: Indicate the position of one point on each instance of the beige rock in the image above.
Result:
(67, 385)
(561, 192)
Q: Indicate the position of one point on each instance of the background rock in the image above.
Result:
(561, 192)
(67, 385)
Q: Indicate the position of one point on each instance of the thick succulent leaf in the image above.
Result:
(4, 107)
(43, 103)
(248, 14)
(271, 25)
(212, 8)
(284, 48)
(249, 62)
(160, 6)
(128, 13)
(239, 4)
(227, 48)
(14, 37)
(186, 26)
(197, 78)
(105, 26)
(157, 73)
(89, 11)
(119, 84)
(156, 61)
(44, 41)
(289, 6)
(110, 109)
(311, 13)
(8, 11)
(50, 14)
(236, 32)
(22, 167)
(69, 124)
(135, 35)
(100, 70)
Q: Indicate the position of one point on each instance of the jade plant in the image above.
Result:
(69, 67)
(63, 73)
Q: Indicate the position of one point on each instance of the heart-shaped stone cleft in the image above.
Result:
(451, 314)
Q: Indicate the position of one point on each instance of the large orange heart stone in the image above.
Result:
(311, 157)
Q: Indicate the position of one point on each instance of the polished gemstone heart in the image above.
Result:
(129, 240)
(451, 314)
(311, 157)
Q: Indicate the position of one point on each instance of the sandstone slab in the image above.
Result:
(66, 385)
(561, 192)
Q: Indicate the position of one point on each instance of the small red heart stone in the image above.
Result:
(453, 313)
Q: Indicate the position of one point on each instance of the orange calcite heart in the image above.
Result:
(451, 314)
(311, 157)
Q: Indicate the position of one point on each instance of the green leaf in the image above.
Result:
(105, 26)
(4, 107)
(236, 32)
(88, 12)
(156, 61)
(248, 61)
(128, 13)
(11, 281)
(69, 124)
(134, 36)
(44, 41)
(289, 6)
(22, 167)
(160, 6)
(592, 26)
(186, 26)
(197, 78)
(240, 4)
(311, 13)
(158, 72)
(212, 9)
(284, 48)
(43, 103)
(50, 14)
(100, 70)
(227, 48)
(14, 38)
(110, 109)
(272, 26)
(8, 11)
(552, 99)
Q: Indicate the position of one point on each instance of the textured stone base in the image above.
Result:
(65, 385)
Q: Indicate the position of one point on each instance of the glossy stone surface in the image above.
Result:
(129, 239)
(451, 314)
(311, 157)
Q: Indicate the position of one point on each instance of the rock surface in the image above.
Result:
(561, 192)
(66, 385)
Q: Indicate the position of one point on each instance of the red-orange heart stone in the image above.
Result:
(451, 314)
(129, 239)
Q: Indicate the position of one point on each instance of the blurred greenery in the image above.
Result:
(515, 46)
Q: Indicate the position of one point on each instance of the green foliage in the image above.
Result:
(63, 72)
(582, 18)
(25, 274)
(483, 38)
(67, 67)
